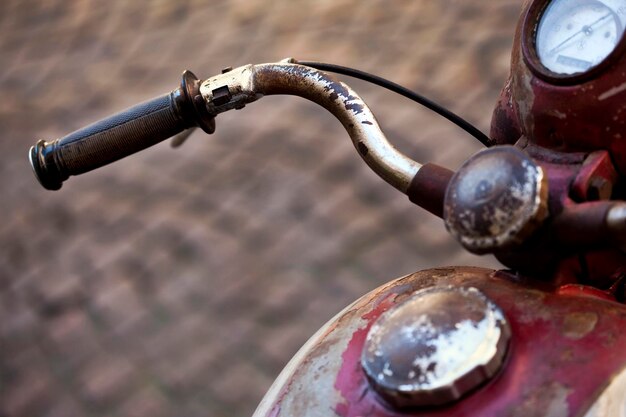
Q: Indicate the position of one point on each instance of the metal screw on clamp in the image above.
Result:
(221, 95)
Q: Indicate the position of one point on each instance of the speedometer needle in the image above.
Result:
(584, 29)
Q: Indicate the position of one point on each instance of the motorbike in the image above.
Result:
(544, 336)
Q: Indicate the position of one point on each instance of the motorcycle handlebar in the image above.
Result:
(197, 103)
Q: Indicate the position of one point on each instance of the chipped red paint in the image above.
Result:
(556, 340)
(275, 411)
(568, 340)
(587, 115)
(352, 355)
(577, 229)
(596, 178)
(577, 290)
(577, 134)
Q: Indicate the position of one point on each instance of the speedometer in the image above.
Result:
(574, 36)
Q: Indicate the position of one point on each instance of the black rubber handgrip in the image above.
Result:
(117, 136)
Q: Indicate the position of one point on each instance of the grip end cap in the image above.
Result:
(45, 170)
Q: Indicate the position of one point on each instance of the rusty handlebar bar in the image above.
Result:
(197, 103)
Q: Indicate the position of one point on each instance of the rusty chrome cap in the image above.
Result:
(497, 199)
(435, 346)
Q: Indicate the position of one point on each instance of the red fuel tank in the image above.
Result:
(564, 357)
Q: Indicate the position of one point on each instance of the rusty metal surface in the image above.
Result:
(129, 291)
(355, 116)
(596, 179)
(428, 188)
(579, 113)
(582, 241)
(247, 84)
(555, 339)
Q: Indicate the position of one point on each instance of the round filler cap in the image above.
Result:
(435, 346)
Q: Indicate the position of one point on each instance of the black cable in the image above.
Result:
(397, 88)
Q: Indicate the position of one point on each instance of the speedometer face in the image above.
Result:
(576, 35)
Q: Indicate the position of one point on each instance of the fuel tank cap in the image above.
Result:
(435, 346)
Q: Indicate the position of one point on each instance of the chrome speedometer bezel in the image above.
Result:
(530, 26)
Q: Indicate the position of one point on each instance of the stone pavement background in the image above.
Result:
(179, 282)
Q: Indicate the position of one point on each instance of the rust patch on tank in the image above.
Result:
(552, 400)
(580, 324)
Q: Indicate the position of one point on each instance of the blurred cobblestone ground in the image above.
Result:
(179, 282)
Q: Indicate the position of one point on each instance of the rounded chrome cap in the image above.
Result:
(435, 346)
(498, 198)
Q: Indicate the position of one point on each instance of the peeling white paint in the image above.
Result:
(611, 92)
(441, 355)
(612, 401)
(451, 351)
